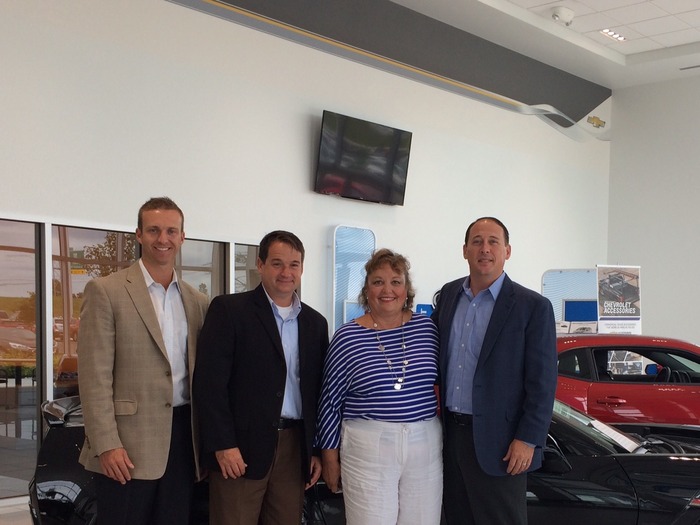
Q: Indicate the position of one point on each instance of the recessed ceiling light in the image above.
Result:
(613, 35)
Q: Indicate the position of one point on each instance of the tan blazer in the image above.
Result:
(124, 373)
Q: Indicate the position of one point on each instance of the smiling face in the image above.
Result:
(160, 237)
(281, 272)
(386, 292)
(486, 252)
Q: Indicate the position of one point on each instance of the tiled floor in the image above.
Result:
(15, 512)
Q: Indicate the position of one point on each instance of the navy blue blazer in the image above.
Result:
(516, 375)
(240, 374)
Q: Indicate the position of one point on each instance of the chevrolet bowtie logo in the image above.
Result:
(596, 122)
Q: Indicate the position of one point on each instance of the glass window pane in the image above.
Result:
(18, 345)
(201, 265)
(82, 254)
(247, 276)
(79, 254)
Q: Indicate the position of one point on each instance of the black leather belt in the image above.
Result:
(284, 423)
(460, 419)
(182, 410)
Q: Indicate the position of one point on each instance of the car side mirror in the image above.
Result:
(554, 462)
(651, 369)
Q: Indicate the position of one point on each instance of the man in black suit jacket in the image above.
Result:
(498, 367)
(256, 384)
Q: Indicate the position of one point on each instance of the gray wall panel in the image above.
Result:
(392, 31)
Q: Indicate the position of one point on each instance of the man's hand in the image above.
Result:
(116, 465)
(231, 463)
(315, 471)
(331, 469)
(519, 457)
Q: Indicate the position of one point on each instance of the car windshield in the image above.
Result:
(598, 430)
(684, 363)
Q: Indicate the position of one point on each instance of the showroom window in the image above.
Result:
(77, 256)
(201, 265)
(246, 270)
(81, 254)
(19, 339)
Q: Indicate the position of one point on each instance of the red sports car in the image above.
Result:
(630, 378)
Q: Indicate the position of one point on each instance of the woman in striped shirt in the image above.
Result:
(378, 427)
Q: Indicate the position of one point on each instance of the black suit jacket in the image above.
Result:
(240, 377)
(516, 375)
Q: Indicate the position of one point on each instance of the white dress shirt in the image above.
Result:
(173, 326)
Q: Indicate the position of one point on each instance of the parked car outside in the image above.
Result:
(17, 342)
(630, 378)
(59, 328)
(592, 473)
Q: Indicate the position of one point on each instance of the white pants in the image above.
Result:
(391, 472)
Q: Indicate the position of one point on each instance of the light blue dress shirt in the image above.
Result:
(288, 327)
(467, 334)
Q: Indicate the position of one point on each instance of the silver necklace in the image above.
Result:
(398, 381)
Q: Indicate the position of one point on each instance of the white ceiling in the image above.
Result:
(662, 36)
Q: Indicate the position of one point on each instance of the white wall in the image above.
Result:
(105, 104)
(654, 211)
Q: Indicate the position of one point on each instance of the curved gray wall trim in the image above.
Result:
(396, 39)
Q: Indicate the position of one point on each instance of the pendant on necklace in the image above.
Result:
(399, 381)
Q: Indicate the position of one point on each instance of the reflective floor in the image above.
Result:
(18, 442)
(15, 512)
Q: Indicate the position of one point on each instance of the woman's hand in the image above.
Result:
(315, 472)
(331, 469)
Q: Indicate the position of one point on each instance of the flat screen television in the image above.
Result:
(362, 160)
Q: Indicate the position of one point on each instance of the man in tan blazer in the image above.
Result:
(136, 351)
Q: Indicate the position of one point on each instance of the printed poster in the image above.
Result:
(619, 300)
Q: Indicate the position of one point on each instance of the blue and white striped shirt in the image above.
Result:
(358, 383)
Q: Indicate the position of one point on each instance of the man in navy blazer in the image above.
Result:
(257, 382)
(498, 367)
